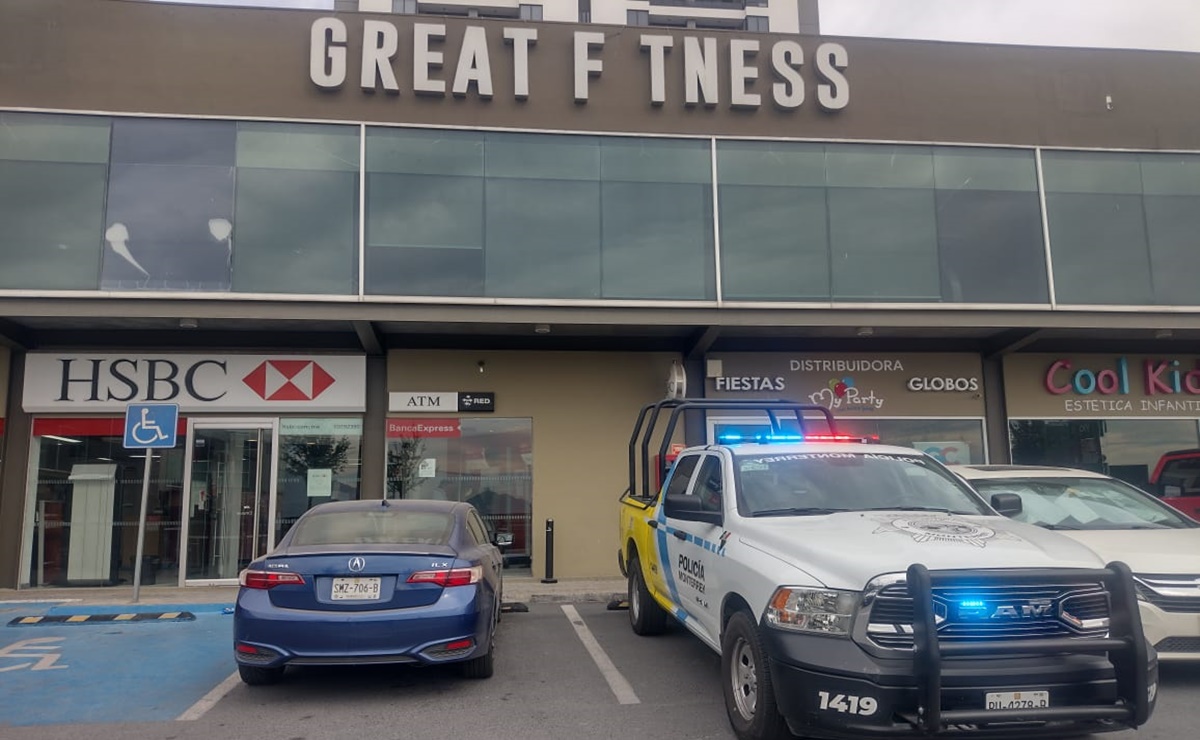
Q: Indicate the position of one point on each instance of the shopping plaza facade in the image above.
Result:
(377, 255)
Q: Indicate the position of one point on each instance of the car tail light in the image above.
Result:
(449, 577)
(268, 579)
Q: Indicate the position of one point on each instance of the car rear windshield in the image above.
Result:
(824, 482)
(1084, 503)
(375, 527)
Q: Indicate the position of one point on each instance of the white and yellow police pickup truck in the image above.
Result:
(860, 590)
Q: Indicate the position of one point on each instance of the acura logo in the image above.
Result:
(357, 564)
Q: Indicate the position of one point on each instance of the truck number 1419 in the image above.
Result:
(864, 705)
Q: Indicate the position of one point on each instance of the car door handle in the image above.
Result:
(680, 535)
(653, 523)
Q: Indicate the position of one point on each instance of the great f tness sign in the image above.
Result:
(690, 71)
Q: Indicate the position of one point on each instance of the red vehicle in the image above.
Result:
(1176, 480)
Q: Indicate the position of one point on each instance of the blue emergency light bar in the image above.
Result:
(733, 438)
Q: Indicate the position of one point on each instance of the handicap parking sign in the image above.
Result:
(151, 425)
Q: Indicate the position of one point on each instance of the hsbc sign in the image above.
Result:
(84, 382)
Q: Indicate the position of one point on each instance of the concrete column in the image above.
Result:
(996, 408)
(374, 439)
(13, 475)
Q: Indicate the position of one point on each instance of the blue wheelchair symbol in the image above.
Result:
(151, 425)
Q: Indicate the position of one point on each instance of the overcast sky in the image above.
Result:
(1136, 24)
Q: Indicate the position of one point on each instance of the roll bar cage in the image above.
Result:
(648, 422)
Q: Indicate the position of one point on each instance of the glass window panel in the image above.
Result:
(173, 141)
(883, 244)
(1091, 172)
(543, 238)
(1172, 225)
(774, 243)
(423, 271)
(333, 444)
(87, 496)
(656, 160)
(658, 241)
(424, 211)
(761, 163)
(543, 157)
(490, 466)
(420, 151)
(297, 147)
(991, 247)
(296, 231)
(1127, 449)
(34, 137)
(168, 228)
(876, 166)
(1098, 245)
(985, 169)
(952, 441)
(1170, 174)
(51, 219)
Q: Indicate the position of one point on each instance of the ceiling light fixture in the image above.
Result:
(541, 328)
(188, 323)
(865, 331)
(1164, 334)
(61, 439)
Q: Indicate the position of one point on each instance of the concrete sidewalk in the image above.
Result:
(525, 589)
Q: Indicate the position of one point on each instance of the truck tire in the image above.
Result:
(645, 615)
(746, 682)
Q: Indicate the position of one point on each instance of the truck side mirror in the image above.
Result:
(1008, 504)
(689, 509)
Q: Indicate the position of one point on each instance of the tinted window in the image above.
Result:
(845, 481)
(710, 484)
(807, 222)
(53, 176)
(1083, 503)
(682, 475)
(374, 527)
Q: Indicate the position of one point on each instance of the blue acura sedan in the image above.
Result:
(368, 582)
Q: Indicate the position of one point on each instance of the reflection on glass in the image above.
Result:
(320, 460)
(1083, 503)
(53, 171)
(230, 500)
(1127, 449)
(87, 501)
(528, 215)
(487, 463)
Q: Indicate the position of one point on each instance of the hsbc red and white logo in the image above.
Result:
(288, 380)
(246, 383)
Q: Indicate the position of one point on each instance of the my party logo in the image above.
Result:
(842, 394)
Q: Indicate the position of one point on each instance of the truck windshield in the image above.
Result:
(809, 483)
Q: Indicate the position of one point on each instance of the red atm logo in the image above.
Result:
(288, 380)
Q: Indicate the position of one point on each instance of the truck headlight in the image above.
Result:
(816, 610)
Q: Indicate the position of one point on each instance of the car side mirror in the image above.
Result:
(689, 509)
(502, 539)
(1008, 504)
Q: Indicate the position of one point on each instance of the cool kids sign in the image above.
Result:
(1099, 386)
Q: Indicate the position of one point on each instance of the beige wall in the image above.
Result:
(220, 61)
(583, 406)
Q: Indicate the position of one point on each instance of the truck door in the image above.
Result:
(694, 549)
(660, 579)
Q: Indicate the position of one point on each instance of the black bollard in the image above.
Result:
(549, 553)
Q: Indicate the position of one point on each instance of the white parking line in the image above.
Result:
(209, 700)
(620, 687)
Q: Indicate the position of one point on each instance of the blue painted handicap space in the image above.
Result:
(112, 671)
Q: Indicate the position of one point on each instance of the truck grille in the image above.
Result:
(993, 613)
(1171, 593)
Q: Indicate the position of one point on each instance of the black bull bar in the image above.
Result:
(1125, 646)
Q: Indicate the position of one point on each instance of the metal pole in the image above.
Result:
(141, 542)
(549, 553)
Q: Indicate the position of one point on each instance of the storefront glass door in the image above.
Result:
(231, 482)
